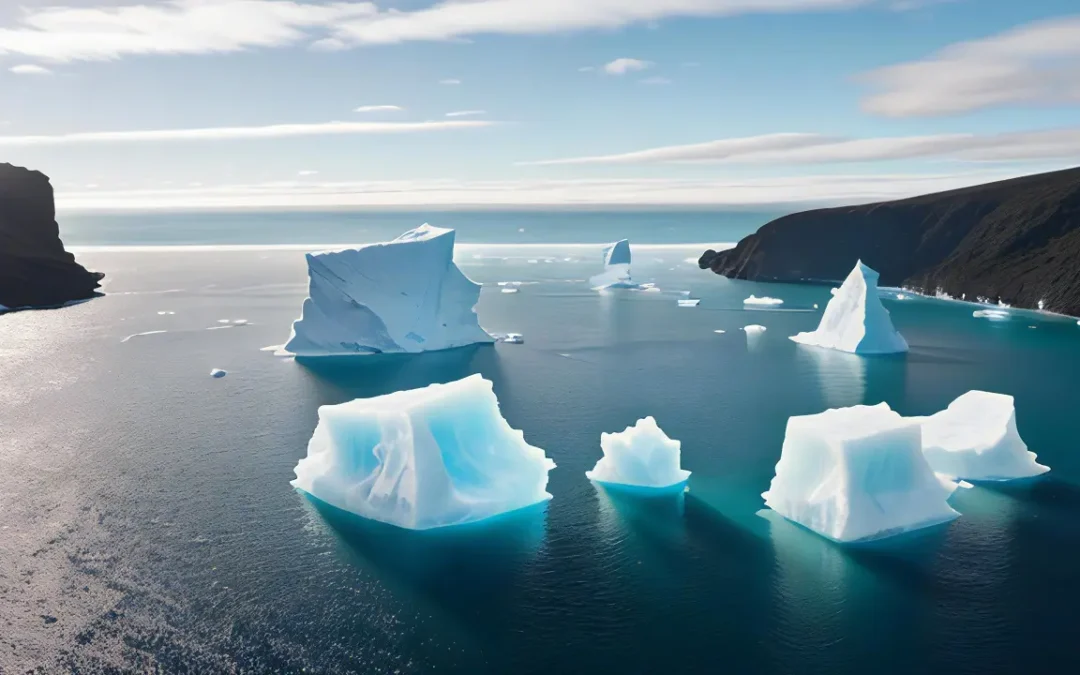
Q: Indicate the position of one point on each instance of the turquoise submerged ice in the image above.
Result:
(432, 457)
(976, 438)
(405, 295)
(855, 320)
(856, 474)
(641, 456)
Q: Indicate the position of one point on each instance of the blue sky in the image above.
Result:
(254, 102)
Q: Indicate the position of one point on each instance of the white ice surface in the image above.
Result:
(855, 320)
(432, 457)
(976, 438)
(406, 295)
(689, 302)
(754, 300)
(639, 456)
(754, 329)
(855, 474)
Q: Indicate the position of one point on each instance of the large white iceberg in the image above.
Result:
(854, 474)
(405, 295)
(855, 320)
(616, 272)
(641, 456)
(976, 438)
(432, 457)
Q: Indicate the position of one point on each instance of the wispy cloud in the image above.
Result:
(798, 148)
(656, 80)
(307, 172)
(1033, 64)
(819, 189)
(625, 65)
(466, 113)
(107, 31)
(378, 108)
(30, 69)
(229, 133)
(450, 81)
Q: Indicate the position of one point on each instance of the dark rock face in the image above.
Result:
(35, 270)
(1016, 240)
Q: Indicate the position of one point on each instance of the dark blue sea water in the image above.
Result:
(147, 523)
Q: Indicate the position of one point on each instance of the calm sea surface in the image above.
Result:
(147, 523)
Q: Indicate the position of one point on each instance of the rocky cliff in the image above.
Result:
(1016, 240)
(35, 270)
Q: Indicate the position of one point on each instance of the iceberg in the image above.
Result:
(688, 302)
(857, 474)
(754, 300)
(616, 272)
(510, 338)
(991, 314)
(641, 456)
(401, 296)
(855, 320)
(975, 438)
(218, 373)
(754, 329)
(432, 457)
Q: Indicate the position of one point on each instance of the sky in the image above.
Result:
(315, 103)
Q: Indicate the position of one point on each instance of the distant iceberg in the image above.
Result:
(405, 295)
(688, 302)
(855, 320)
(754, 300)
(432, 457)
(991, 314)
(641, 456)
(975, 438)
(856, 474)
(616, 272)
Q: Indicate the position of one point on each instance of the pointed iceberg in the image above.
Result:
(426, 458)
(405, 295)
(975, 438)
(641, 456)
(616, 272)
(857, 474)
(855, 320)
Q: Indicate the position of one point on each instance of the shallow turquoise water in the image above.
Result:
(146, 506)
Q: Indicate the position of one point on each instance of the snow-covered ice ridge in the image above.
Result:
(857, 474)
(405, 295)
(855, 320)
(640, 456)
(425, 458)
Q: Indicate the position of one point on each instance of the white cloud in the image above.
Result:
(830, 189)
(656, 80)
(466, 113)
(624, 66)
(797, 148)
(107, 31)
(378, 108)
(30, 69)
(227, 133)
(450, 81)
(1038, 63)
(307, 172)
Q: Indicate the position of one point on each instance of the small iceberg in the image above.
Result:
(641, 456)
(855, 321)
(991, 314)
(689, 302)
(753, 329)
(433, 457)
(509, 290)
(857, 474)
(218, 373)
(616, 272)
(975, 438)
(766, 301)
(510, 338)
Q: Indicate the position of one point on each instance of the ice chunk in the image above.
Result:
(509, 290)
(510, 338)
(432, 457)
(855, 320)
(406, 295)
(754, 300)
(616, 272)
(719, 331)
(218, 373)
(754, 329)
(976, 438)
(640, 456)
(992, 314)
(854, 474)
(688, 302)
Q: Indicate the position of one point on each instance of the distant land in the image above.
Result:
(1016, 241)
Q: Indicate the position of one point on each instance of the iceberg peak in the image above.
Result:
(616, 272)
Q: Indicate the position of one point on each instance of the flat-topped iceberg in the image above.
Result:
(855, 320)
(432, 457)
(975, 438)
(855, 474)
(641, 456)
(766, 301)
(616, 272)
(405, 295)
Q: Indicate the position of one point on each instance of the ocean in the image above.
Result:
(147, 523)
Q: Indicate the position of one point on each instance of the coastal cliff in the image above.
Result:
(35, 270)
(1016, 240)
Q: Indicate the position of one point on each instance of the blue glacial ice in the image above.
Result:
(976, 438)
(616, 272)
(425, 458)
(857, 474)
(405, 295)
(641, 456)
(855, 320)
